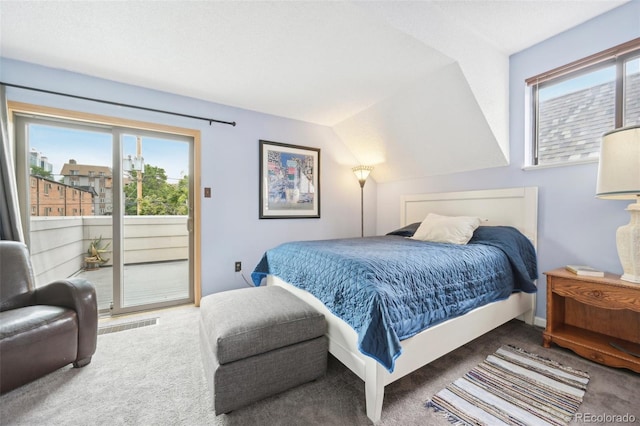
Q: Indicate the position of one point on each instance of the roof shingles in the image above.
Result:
(571, 126)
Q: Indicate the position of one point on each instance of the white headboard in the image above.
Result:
(517, 207)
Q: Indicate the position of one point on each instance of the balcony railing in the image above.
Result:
(59, 244)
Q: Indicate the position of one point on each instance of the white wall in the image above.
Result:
(574, 226)
(231, 230)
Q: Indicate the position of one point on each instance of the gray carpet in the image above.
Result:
(153, 376)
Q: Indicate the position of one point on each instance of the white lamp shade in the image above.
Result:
(619, 168)
(362, 172)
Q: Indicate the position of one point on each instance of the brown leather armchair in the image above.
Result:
(41, 329)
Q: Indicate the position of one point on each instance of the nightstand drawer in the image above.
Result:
(600, 295)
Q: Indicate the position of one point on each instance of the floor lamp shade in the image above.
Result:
(362, 173)
(619, 179)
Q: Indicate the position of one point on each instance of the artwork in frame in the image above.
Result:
(289, 181)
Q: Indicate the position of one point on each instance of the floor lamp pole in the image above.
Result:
(362, 209)
(362, 172)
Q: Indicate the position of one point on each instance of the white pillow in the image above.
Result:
(447, 229)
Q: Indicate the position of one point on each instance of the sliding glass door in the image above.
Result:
(109, 204)
(154, 219)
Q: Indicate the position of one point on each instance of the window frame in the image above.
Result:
(617, 56)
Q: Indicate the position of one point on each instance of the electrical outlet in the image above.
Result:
(238, 266)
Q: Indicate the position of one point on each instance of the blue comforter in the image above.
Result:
(389, 288)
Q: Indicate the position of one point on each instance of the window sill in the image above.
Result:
(563, 164)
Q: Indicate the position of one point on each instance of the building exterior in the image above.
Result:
(51, 198)
(97, 179)
(38, 160)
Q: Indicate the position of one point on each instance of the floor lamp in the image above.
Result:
(619, 179)
(362, 173)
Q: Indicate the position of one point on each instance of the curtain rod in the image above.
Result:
(210, 120)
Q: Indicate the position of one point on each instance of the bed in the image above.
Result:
(407, 347)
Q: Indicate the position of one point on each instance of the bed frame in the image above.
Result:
(516, 207)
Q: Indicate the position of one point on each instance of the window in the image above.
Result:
(572, 106)
(632, 91)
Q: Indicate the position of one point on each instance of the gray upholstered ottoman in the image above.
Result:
(257, 342)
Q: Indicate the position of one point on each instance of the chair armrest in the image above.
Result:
(79, 295)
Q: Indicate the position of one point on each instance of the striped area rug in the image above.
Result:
(513, 387)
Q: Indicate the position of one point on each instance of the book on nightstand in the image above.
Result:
(584, 270)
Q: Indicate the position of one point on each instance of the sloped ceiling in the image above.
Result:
(435, 126)
(454, 118)
(414, 88)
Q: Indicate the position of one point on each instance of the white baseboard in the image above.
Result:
(540, 322)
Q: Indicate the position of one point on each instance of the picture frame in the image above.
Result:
(289, 181)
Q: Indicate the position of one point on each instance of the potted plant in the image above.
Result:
(96, 249)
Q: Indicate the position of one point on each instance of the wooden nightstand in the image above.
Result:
(587, 314)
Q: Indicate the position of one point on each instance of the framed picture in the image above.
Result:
(289, 181)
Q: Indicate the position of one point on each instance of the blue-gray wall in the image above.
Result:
(573, 226)
(231, 229)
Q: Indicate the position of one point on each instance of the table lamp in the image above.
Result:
(619, 179)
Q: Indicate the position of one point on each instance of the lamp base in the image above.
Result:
(631, 278)
(628, 243)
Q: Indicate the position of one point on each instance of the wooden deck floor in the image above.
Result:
(143, 283)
